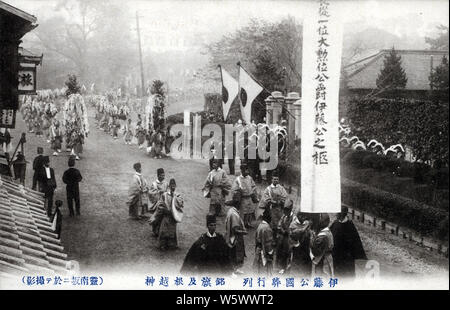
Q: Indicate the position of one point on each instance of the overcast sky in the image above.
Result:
(209, 20)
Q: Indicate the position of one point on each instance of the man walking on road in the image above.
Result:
(273, 198)
(247, 188)
(216, 187)
(71, 178)
(38, 165)
(347, 245)
(235, 231)
(137, 188)
(48, 181)
(157, 188)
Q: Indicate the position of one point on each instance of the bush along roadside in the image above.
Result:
(426, 220)
(413, 180)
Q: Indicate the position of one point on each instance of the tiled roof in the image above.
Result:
(28, 244)
(417, 64)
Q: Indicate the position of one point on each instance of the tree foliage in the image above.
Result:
(441, 41)
(392, 76)
(89, 38)
(261, 43)
(158, 88)
(420, 124)
(439, 80)
(72, 85)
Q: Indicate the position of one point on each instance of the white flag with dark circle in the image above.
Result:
(250, 89)
(230, 91)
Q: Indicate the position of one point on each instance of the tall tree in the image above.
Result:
(441, 41)
(439, 81)
(278, 42)
(90, 38)
(392, 76)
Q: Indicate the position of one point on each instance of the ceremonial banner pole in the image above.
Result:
(187, 134)
(321, 65)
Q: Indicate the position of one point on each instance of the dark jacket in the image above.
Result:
(71, 178)
(48, 185)
(38, 163)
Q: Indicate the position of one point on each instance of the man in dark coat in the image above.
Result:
(48, 183)
(209, 254)
(37, 167)
(347, 245)
(71, 178)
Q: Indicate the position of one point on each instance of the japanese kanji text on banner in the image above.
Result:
(321, 65)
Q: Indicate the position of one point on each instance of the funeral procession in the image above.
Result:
(223, 145)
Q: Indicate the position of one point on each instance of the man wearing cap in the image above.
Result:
(247, 188)
(38, 165)
(71, 178)
(56, 137)
(300, 234)
(264, 246)
(209, 254)
(48, 183)
(273, 198)
(321, 249)
(216, 187)
(157, 188)
(347, 245)
(283, 237)
(137, 188)
(234, 236)
(169, 211)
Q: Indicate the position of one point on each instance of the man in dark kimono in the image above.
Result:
(300, 233)
(321, 249)
(37, 167)
(347, 245)
(283, 237)
(209, 254)
(71, 178)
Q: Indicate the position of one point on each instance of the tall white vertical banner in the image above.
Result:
(321, 65)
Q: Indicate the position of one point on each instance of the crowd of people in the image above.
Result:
(301, 244)
(45, 182)
(47, 112)
(114, 115)
(286, 242)
(158, 203)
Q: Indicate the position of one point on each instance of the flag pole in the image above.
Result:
(239, 90)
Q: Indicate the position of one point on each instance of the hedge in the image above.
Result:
(420, 172)
(425, 219)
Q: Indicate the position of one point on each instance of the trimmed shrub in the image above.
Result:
(289, 173)
(420, 172)
(355, 158)
(343, 151)
(406, 212)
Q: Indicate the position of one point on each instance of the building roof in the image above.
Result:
(15, 23)
(28, 243)
(27, 56)
(417, 64)
(17, 12)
